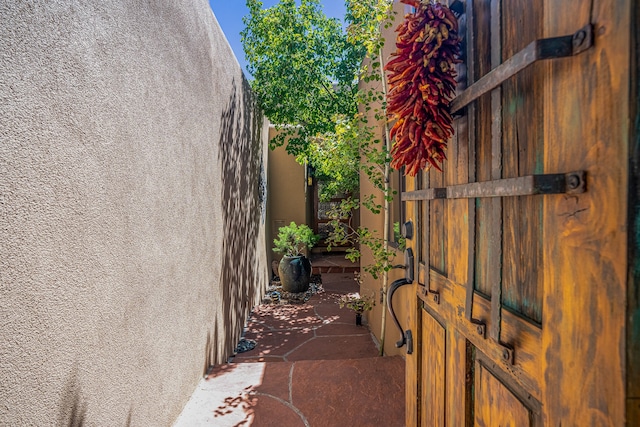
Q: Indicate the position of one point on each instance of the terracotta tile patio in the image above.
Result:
(312, 366)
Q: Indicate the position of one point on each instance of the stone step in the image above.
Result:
(332, 263)
(334, 269)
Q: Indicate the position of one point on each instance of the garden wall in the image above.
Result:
(132, 208)
(288, 194)
(368, 219)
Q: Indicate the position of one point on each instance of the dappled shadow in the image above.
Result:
(243, 197)
(286, 316)
(256, 394)
(235, 406)
(244, 403)
(218, 370)
(285, 332)
(275, 345)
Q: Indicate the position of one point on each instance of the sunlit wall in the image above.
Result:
(132, 208)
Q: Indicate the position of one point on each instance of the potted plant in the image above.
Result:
(357, 303)
(294, 268)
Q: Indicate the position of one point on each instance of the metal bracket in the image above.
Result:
(555, 47)
(481, 327)
(530, 185)
(508, 353)
(582, 40)
(576, 182)
(409, 337)
(435, 296)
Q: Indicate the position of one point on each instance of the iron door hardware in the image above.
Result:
(530, 185)
(407, 230)
(405, 337)
(555, 47)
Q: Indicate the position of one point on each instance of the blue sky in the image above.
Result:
(229, 14)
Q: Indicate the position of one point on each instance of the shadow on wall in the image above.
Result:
(210, 349)
(243, 198)
(73, 411)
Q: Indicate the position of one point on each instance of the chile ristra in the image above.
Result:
(422, 81)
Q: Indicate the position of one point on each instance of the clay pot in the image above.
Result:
(294, 273)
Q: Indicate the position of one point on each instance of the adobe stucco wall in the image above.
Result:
(375, 222)
(287, 193)
(132, 208)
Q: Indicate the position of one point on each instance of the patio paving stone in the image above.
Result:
(312, 366)
(324, 348)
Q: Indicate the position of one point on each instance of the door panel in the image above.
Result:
(522, 147)
(460, 383)
(433, 375)
(495, 405)
(459, 357)
(522, 334)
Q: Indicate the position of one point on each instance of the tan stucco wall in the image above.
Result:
(131, 208)
(376, 222)
(371, 286)
(287, 192)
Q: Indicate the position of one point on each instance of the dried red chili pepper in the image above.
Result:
(421, 84)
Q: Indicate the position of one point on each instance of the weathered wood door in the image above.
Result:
(517, 314)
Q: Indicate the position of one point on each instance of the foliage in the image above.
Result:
(338, 157)
(365, 18)
(293, 239)
(357, 303)
(306, 72)
(304, 69)
(351, 236)
(335, 157)
(398, 237)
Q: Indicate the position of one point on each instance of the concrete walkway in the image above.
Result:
(312, 366)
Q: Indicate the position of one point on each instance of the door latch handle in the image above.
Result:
(394, 286)
(406, 337)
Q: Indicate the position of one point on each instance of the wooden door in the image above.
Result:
(518, 307)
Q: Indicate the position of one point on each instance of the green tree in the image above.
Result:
(306, 73)
(304, 69)
(366, 18)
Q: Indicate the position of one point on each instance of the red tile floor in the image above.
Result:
(312, 366)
